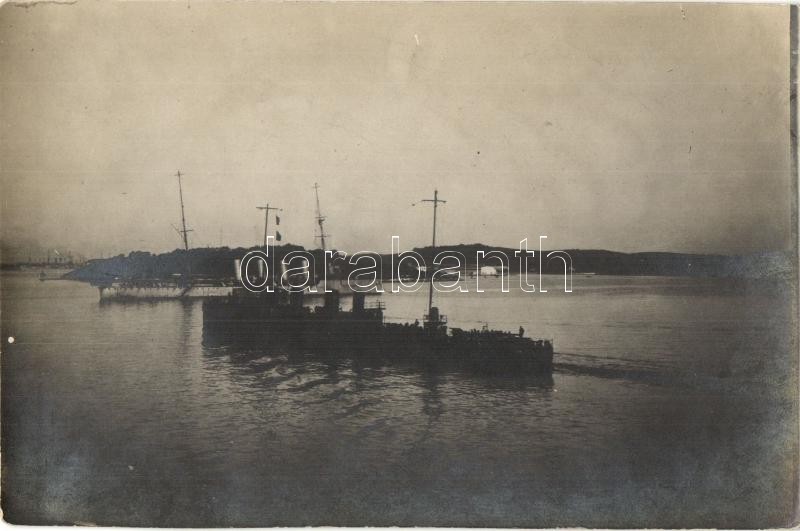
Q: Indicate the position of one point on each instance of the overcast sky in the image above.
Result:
(624, 127)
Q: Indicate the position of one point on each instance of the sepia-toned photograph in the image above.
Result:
(440, 264)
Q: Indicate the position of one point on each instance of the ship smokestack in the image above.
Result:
(358, 302)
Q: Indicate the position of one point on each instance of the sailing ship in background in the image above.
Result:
(177, 286)
(186, 285)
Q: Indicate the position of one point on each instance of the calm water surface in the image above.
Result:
(672, 403)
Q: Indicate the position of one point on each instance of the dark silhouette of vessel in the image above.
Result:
(283, 318)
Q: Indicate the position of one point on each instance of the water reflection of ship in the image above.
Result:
(281, 362)
(280, 316)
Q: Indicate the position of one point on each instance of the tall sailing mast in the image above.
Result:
(185, 231)
(320, 220)
(435, 202)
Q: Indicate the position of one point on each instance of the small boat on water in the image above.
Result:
(582, 273)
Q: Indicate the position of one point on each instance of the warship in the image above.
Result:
(284, 317)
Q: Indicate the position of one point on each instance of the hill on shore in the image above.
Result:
(218, 263)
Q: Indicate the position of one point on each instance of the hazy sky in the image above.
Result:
(625, 127)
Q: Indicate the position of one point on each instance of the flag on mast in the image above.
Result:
(277, 219)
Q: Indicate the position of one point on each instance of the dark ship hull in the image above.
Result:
(279, 319)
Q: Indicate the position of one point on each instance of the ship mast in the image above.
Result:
(185, 231)
(435, 202)
(266, 210)
(320, 220)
